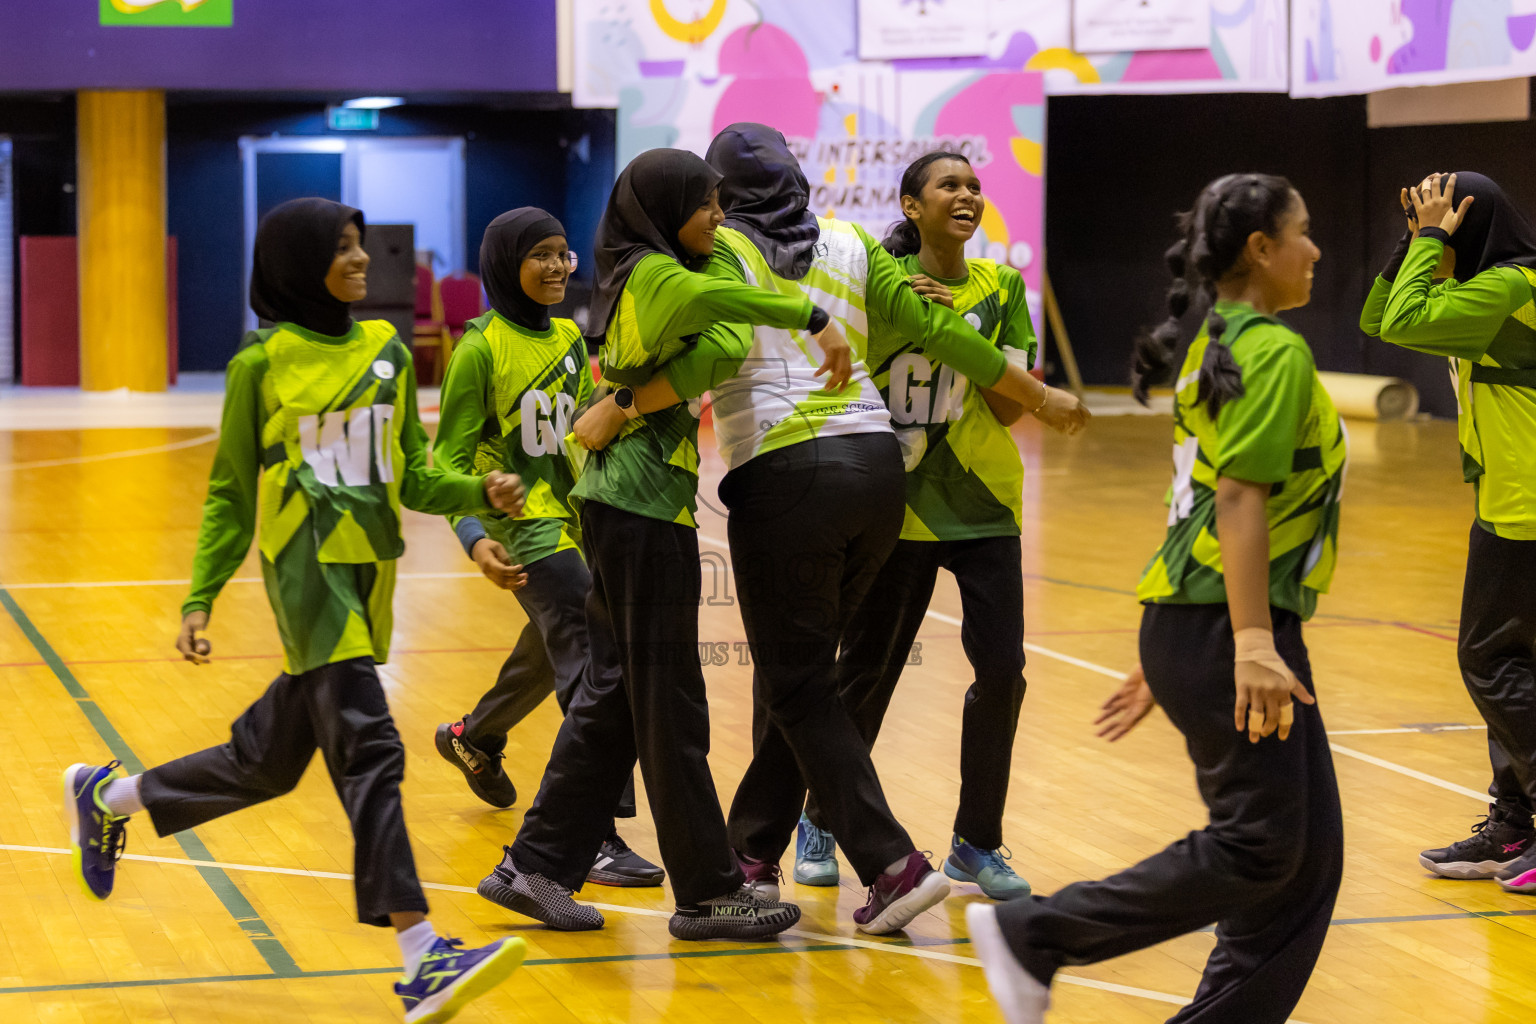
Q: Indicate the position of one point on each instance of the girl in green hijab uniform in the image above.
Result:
(321, 432)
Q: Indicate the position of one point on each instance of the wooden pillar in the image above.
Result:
(121, 157)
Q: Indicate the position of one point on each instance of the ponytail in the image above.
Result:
(903, 238)
(1153, 360)
(1213, 236)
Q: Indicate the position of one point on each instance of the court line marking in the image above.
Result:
(824, 941)
(272, 951)
(83, 459)
(1405, 729)
(1358, 755)
(109, 584)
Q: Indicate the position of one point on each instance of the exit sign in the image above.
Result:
(351, 119)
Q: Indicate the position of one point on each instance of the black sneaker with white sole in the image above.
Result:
(533, 895)
(1495, 843)
(740, 915)
(481, 770)
(618, 865)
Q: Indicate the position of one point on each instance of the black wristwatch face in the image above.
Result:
(624, 397)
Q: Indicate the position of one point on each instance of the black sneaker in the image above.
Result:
(738, 915)
(1495, 843)
(1520, 875)
(481, 770)
(538, 897)
(618, 865)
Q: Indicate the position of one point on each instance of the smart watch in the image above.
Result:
(624, 398)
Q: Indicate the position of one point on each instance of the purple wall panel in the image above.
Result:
(372, 46)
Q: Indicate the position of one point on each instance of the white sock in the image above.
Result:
(122, 796)
(899, 866)
(415, 942)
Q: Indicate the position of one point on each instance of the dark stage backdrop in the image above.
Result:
(1120, 166)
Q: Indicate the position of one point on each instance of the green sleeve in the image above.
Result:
(889, 299)
(1256, 433)
(463, 408)
(433, 490)
(721, 349)
(229, 512)
(585, 383)
(1016, 330)
(1375, 306)
(1460, 322)
(673, 302)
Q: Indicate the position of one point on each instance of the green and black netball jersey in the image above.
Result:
(1283, 431)
(969, 479)
(1487, 328)
(763, 380)
(322, 435)
(652, 467)
(508, 400)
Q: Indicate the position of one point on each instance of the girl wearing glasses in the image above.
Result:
(512, 387)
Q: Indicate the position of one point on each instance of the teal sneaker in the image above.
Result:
(815, 855)
(986, 868)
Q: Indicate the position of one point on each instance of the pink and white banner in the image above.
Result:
(1357, 46)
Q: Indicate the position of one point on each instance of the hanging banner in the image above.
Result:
(890, 29)
(638, 44)
(1340, 47)
(856, 127)
(1115, 26)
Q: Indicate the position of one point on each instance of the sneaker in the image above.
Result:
(1019, 994)
(986, 868)
(762, 877)
(815, 855)
(896, 900)
(538, 897)
(481, 770)
(448, 978)
(97, 837)
(1495, 843)
(617, 864)
(741, 915)
(1519, 876)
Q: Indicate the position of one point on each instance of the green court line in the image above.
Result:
(272, 951)
(695, 954)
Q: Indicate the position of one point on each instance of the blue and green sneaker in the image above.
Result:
(97, 837)
(448, 978)
(815, 855)
(986, 868)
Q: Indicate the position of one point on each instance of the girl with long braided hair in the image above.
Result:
(1259, 455)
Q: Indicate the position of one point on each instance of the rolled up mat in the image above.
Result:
(1362, 396)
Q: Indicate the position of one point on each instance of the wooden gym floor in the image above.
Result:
(251, 917)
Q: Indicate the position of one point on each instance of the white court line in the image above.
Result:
(99, 584)
(818, 937)
(82, 459)
(1393, 732)
(1336, 748)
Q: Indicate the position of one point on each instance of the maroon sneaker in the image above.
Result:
(761, 877)
(895, 900)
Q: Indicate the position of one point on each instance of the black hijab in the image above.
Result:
(766, 196)
(506, 245)
(295, 246)
(1494, 234)
(653, 198)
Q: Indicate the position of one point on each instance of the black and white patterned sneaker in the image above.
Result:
(538, 897)
(482, 771)
(618, 865)
(740, 915)
(1495, 843)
